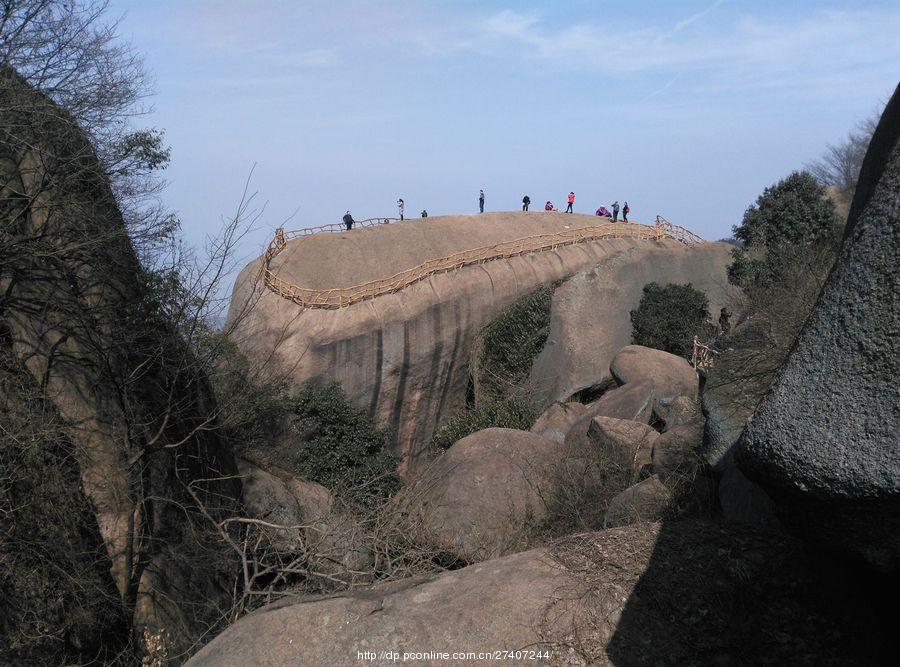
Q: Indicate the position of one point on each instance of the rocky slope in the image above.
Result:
(405, 357)
(76, 315)
(690, 592)
(825, 441)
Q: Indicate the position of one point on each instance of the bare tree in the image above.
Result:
(840, 164)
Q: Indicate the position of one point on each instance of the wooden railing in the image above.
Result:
(340, 297)
(703, 357)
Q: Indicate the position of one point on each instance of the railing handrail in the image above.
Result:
(339, 297)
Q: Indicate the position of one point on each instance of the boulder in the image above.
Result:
(483, 496)
(677, 451)
(405, 357)
(644, 501)
(600, 300)
(331, 540)
(824, 443)
(556, 421)
(671, 376)
(267, 497)
(628, 442)
(633, 401)
(643, 594)
(683, 410)
(743, 501)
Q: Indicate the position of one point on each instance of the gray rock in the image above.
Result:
(556, 421)
(670, 375)
(644, 501)
(633, 401)
(826, 442)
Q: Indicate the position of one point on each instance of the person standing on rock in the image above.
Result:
(616, 210)
(526, 200)
(481, 201)
(724, 323)
(400, 207)
(424, 213)
(625, 211)
(571, 202)
(348, 220)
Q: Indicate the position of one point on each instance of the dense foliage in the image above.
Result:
(338, 446)
(510, 342)
(787, 218)
(668, 318)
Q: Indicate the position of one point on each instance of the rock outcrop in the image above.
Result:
(600, 301)
(685, 593)
(483, 496)
(825, 442)
(76, 314)
(405, 357)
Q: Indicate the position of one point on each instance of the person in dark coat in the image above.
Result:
(526, 200)
(348, 220)
(616, 210)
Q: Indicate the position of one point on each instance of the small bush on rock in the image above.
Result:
(339, 447)
(669, 317)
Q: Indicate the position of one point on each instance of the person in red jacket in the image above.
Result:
(571, 202)
(625, 211)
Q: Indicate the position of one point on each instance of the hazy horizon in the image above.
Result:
(687, 110)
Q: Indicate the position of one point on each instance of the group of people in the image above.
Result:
(526, 202)
(602, 211)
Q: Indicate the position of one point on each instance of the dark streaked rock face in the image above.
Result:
(826, 442)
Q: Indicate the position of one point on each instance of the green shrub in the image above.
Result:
(340, 447)
(669, 317)
(787, 217)
(511, 412)
(511, 342)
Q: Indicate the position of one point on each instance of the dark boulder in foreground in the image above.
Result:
(685, 593)
(826, 442)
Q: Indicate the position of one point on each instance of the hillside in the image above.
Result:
(406, 357)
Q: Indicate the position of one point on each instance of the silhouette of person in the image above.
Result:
(625, 211)
(615, 210)
(481, 201)
(526, 200)
(400, 207)
(348, 220)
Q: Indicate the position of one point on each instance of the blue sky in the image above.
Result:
(684, 109)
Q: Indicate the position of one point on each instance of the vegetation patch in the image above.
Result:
(339, 447)
(668, 317)
(510, 343)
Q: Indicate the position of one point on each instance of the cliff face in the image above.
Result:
(76, 314)
(824, 442)
(406, 356)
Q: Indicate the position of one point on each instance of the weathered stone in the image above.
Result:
(483, 496)
(644, 594)
(677, 451)
(644, 501)
(670, 375)
(557, 420)
(404, 357)
(633, 402)
(628, 442)
(743, 501)
(600, 300)
(267, 497)
(683, 410)
(824, 443)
